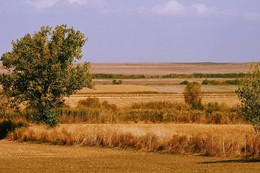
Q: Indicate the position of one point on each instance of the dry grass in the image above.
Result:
(214, 140)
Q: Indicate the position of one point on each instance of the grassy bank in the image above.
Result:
(210, 140)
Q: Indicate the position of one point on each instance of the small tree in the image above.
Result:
(249, 94)
(193, 95)
(41, 71)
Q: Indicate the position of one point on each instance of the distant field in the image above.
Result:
(168, 68)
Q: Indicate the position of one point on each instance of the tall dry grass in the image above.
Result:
(91, 110)
(212, 140)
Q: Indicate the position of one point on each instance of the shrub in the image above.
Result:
(193, 95)
(90, 103)
(210, 82)
(7, 126)
(107, 106)
(226, 82)
(184, 82)
(117, 82)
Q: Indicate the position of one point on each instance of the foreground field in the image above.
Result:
(27, 157)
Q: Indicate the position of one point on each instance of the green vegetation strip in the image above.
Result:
(194, 75)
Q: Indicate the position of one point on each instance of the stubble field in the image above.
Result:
(28, 157)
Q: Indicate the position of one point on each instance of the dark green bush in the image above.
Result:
(117, 82)
(226, 82)
(184, 82)
(210, 82)
(7, 126)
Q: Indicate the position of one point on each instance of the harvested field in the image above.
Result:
(27, 157)
(168, 68)
(155, 88)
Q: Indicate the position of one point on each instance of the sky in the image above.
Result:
(144, 30)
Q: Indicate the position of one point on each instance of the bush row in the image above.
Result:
(194, 75)
(215, 82)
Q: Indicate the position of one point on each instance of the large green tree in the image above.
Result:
(42, 71)
(249, 94)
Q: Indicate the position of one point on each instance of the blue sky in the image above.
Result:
(144, 30)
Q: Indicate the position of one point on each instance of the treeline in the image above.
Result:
(194, 75)
(116, 76)
(206, 75)
(215, 82)
(226, 82)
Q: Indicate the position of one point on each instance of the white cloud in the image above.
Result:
(176, 8)
(100, 3)
(81, 2)
(169, 8)
(43, 4)
(203, 9)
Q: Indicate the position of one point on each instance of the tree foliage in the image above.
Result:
(193, 95)
(249, 94)
(41, 70)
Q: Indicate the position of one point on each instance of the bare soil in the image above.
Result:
(28, 157)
